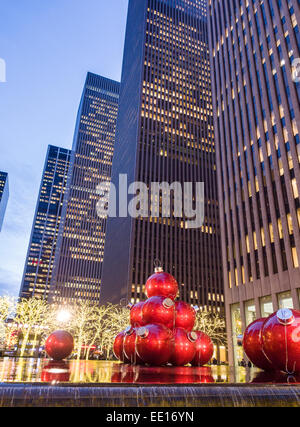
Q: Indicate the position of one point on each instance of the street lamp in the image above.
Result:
(63, 316)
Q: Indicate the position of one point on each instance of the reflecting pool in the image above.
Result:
(13, 370)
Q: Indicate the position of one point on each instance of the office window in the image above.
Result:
(285, 300)
(250, 312)
(266, 306)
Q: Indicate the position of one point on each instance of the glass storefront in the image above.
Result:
(285, 300)
(236, 323)
(250, 312)
(266, 306)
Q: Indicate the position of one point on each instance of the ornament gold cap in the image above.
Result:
(129, 330)
(143, 332)
(196, 308)
(192, 336)
(168, 303)
(158, 267)
(285, 316)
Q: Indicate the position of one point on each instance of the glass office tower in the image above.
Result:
(39, 261)
(4, 194)
(165, 134)
(79, 254)
(254, 45)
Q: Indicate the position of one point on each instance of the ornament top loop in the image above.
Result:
(129, 330)
(158, 266)
(192, 336)
(285, 316)
(143, 332)
(168, 303)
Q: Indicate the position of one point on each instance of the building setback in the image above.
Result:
(79, 253)
(4, 194)
(257, 116)
(165, 134)
(40, 256)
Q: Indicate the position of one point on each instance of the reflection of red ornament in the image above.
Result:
(154, 375)
(203, 375)
(204, 349)
(161, 284)
(136, 319)
(281, 340)
(154, 344)
(129, 347)
(56, 371)
(252, 344)
(185, 316)
(185, 348)
(119, 347)
(159, 310)
(59, 345)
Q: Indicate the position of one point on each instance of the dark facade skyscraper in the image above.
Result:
(79, 254)
(257, 119)
(41, 250)
(4, 194)
(165, 134)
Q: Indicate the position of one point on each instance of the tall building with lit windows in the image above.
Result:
(4, 194)
(79, 253)
(257, 118)
(40, 257)
(165, 134)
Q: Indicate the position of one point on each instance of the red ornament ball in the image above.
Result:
(59, 345)
(161, 284)
(204, 349)
(281, 340)
(129, 347)
(185, 316)
(118, 347)
(185, 348)
(155, 344)
(159, 310)
(252, 344)
(136, 318)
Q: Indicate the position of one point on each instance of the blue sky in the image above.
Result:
(48, 47)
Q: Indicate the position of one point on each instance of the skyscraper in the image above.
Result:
(79, 254)
(257, 116)
(39, 261)
(165, 134)
(4, 194)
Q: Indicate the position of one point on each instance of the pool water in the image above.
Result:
(13, 370)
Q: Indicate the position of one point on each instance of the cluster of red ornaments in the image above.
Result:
(161, 330)
(273, 344)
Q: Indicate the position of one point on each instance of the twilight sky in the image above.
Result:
(48, 47)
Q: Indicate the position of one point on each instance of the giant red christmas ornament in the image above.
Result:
(118, 347)
(185, 316)
(252, 344)
(185, 348)
(161, 284)
(154, 344)
(281, 340)
(59, 345)
(56, 372)
(136, 319)
(159, 310)
(204, 349)
(129, 347)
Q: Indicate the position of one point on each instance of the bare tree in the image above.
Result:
(213, 325)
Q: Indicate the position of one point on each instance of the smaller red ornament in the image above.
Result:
(118, 347)
(161, 284)
(281, 340)
(204, 349)
(155, 344)
(185, 348)
(59, 345)
(136, 318)
(252, 344)
(129, 347)
(185, 316)
(56, 372)
(159, 310)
